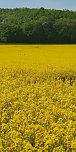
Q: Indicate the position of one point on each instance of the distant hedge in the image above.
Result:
(37, 26)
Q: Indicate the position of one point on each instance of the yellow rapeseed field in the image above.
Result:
(38, 55)
(38, 98)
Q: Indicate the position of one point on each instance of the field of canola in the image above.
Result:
(38, 98)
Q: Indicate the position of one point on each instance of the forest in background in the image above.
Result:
(37, 26)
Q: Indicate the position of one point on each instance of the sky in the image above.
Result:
(51, 4)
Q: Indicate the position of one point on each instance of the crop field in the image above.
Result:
(38, 56)
(38, 98)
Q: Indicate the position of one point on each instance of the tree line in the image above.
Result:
(37, 26)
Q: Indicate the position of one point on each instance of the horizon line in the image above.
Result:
(65, 9)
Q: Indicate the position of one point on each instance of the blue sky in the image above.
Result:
(52, 4)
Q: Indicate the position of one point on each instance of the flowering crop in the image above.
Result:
(38, 109)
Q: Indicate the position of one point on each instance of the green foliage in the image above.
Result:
(23, 25)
